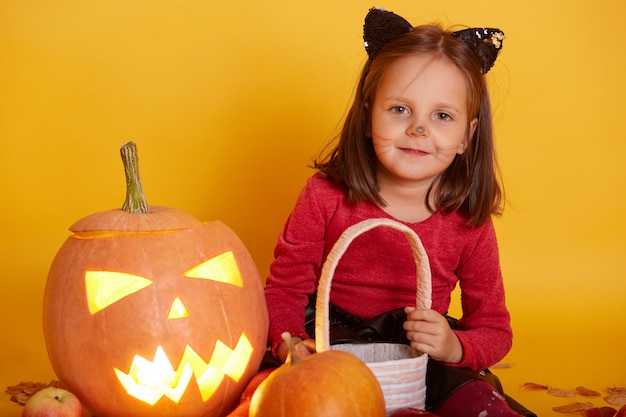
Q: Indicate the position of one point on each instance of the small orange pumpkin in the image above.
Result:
(150, 312)
(330, 384)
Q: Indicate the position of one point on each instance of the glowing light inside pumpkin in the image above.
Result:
(149, 381)
(222, 268)
(107, 287)
(178, 310)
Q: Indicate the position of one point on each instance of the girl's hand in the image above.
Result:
(429, 332)
(303, 347)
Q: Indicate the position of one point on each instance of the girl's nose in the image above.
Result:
(418, 129)
(418, 126)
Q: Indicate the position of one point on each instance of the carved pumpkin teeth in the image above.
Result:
(149, 380)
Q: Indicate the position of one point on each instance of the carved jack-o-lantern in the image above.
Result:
(154, 313)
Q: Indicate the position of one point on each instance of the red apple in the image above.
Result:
(244, 402)
(53, 402)
(621, 412)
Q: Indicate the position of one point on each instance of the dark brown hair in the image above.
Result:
(470, 184)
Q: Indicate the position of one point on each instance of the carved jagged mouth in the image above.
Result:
(149, 380)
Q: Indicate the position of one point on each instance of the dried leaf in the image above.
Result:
(22, 392)
(587, 392)
(561, 392)
(534, 386)
(573, 407)
(13, 390)
(502, 365)
(34, 387)
(617, 399)
(20, 397)
(617, 396)
(600, 412)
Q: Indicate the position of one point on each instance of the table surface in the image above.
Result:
(559, 360)
(538, 401)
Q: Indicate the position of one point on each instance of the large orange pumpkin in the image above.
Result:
(150, 312)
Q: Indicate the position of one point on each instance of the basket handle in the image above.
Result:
(424, 280)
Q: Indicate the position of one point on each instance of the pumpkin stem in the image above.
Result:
(135, 198)
(294, 356)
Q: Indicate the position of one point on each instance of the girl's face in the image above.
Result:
(419, 120)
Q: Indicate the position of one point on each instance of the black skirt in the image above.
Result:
(441, 380)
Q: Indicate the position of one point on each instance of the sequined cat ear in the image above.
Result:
(381, 27)
(485, 42)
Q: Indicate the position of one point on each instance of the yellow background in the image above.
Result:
(229, 101)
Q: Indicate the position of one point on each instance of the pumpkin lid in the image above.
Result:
(159, 219)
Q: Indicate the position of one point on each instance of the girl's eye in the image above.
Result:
(399, 110)
(443, 116)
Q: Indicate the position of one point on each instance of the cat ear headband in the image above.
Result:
(381, 27)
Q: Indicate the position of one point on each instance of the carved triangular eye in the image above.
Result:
(222, 268)
(107, 287)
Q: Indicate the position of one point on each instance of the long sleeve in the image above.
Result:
(297, 258)
(488, 335)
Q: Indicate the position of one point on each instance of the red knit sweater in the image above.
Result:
(377, 272)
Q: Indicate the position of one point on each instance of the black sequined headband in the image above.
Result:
(381, 27)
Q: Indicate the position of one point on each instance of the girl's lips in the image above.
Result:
(413, 151)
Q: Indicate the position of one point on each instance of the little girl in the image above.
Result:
(417, 147)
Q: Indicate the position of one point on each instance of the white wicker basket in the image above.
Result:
(400, 370)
